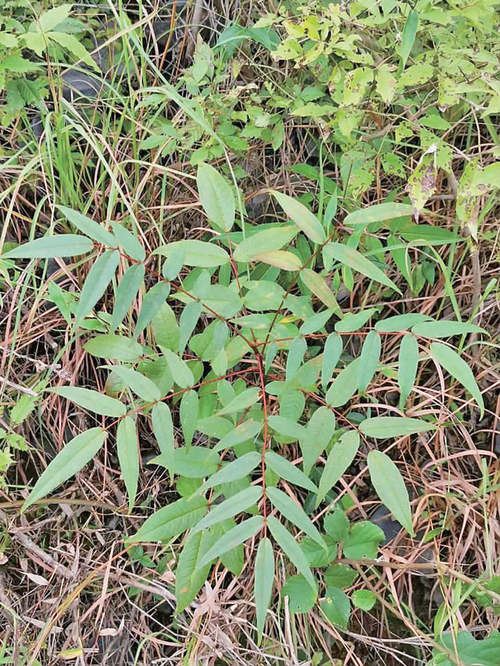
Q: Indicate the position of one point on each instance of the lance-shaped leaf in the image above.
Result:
(151, 305)
(233, 538)
(408, 364)
(139, 384)
(245, 399)
(295, 514)
(172, 520)
(264, 582)
(114, 347)
(231, 507)
(235, 470)
(126, 292)
(189, 575)
(291, 548)
(88, 227)
(128, 456)
(339, 460)
(98, 279)
(382, 427)
(242, 433)
(268, 240)
(179, 369)
(216, 197)
(285, 470)
(197, 253)
(52, 247)
(164, 432)
(348, 256)
(94, 401)
(321, 290)
(302, 217)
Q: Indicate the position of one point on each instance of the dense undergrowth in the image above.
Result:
(249, 333)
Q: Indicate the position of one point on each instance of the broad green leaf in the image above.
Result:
(128, 456)
(172, 520)
(126, 292)
(368, 364)
(98, 279)
(139, 384)
(166, 328)
(320, 289)
(315, 323)
(344, 386)
(264, 582)
(390, 487)
(237, 469)
(354, 321)
(114, 347)
(216, 197)
(75, 47)
(286, 470)
(189, 576)
(53, 17)
(338, 461)
(128, 242)
(189, 319)
(264, 241)
(242, 433)
(445, 329)
(196, 462)
(400, 322)
(295, 514)
(292, 404)
(291, 548)
(295, 357)
(231, 507)
(164, 432)
(174, 263)
(408, 38)
(348, 256)
(70, 460)
(52, 247)
(215, 426)
(287, 261)
(383, 427)
(337, 607)
(239, 534)
(379, 213)
(363, 541)
(318, 434)
(301, 596)
(198, 253)
(89, 227)
(179, 369)
(340, 575)
(94, 401)
(458, 368)
(245, 399)
(317, 556)
(302, 216)
(470, 651)
(331, 355)
(151, 305)
(287, 427)
(407, 366)
(365, 600)
(189, 415)
(336, 524)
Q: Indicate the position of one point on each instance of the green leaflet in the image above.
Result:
(302, 216)
(294, 513)
(301, 596)
(242, 401)
(231, 507)
(189, 575)
(91, 400)
(331, 356)
(286, 470)
(179, 369)
(320, 289)
(151, 305)
(344, 386)
(139, 384)
(339, 459)
(128, 456)
(242, 433)
(269, 240)
(128, 242)
(88, 227)
(172, 520)
(70, 460)
(348, 256)
(291, 548)
(458, 369)
(114, 347)
(233, 538)
(369, 359)
(126, 293)
(337, 607)
(189, 415)
(382, 427)
(235, 470)
(445, 329)
(164, 432)
(197, 253)
(98, 279)
(390, 487)
(52, 247)
(216, 197)
(407, 366)
(264, 582)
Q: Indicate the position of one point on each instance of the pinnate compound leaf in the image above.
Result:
(348, 256)
(233, 538)
(231, 507)
(339, 459)
(70, 460)
(301, 596)
(92, 400)
(216, 197)
(337, 607)
(197, 253)
(320, 289)
(139, 384)
(383, 427)
(98, 279)
(172, 520)
(458, 368)
(88, 227)
(189, 576)
(128, 456)
(390, 487)
(164, 432)
(126, 292)
(52, 247)
(295, 514)
(237, 469)
(264, 582)
(291, 548)
(302, 216)
(114, 347)
(286, 470)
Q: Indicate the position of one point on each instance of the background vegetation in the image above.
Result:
(249, 328)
